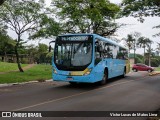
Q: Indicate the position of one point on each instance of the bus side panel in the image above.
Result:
(100, 67)
(98, 71)
(115, 67)
(110, 66)
(119, 66)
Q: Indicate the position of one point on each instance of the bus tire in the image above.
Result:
(124, 73)
(104, 79)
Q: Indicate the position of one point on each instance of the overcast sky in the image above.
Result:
(146, 28)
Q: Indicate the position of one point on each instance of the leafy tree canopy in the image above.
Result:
(6, 43)
(49, 29)
(1, 2)
(141, 8)
(22, 16)
(87, 16)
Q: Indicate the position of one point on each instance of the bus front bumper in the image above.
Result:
(91, 78)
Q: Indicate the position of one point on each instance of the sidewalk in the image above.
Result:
(22, 83)
(154, 73)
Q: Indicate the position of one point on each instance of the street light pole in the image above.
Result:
(134, 51)
(149, 55)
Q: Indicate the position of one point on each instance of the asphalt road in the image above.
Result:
(136, 92)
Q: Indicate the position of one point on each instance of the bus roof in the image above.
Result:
(97, 36)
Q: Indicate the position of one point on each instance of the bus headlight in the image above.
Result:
(54, 70)
(87, 71)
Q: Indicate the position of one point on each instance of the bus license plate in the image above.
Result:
(69, 78)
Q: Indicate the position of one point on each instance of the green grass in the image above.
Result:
(5, 67)
(37, 72)
(157, 69)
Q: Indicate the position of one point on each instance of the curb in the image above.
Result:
(23, 83)
(154, 73)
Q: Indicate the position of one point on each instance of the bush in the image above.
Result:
(24, 61)
(155, 62)
(138, 60)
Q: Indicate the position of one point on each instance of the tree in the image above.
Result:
(158, 46)
(6, 44)
(129, 42)
(149, 54)
(136, 36)
(42, 52)
(141, 8)
(144, 42)
(87, 16)
(50, 29)
(157, 34)
(32, 52)
(39, 54)
(22, 16)
(158, 49)
(1, 2)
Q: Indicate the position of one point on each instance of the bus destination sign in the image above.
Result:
(74, 38)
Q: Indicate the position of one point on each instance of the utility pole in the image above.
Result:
(134, 50)
(149, 55)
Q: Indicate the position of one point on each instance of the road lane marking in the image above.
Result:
(63, 98)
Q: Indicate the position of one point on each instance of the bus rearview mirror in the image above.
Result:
(50, 48)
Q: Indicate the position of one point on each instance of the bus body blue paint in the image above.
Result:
(92, 72)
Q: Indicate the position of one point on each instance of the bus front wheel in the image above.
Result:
(124, 73)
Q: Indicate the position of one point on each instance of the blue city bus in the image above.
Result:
(88, 58)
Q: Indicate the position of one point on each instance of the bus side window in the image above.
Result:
(122, 54)
(97, 58)
(98, 51)
(108, 51)
(119, 55)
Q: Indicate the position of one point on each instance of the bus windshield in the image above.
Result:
(73, 53)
